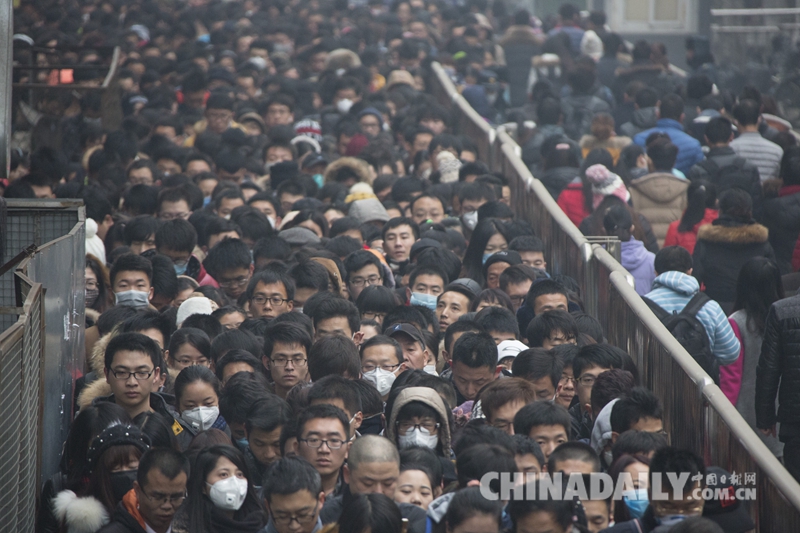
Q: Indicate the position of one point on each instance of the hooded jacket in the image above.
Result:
(519, 45)
(571, 201)
(556, 179)
(643, 119)
(782, 216)
(430, 398)
(613, 145)
(639, 262)
(672, 291)
(358, 166)
(127, 518)
(661, 198)
(722, 248)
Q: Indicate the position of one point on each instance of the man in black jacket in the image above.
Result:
(158, 491)
(779, 365)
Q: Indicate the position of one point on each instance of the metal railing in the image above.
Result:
(697, 414)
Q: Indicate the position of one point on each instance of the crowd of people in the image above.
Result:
(310, 307)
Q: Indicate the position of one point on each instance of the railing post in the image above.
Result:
(6, 68)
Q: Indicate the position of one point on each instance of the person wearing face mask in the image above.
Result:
(112, 461)
(419, 417)
(197, 400)
(488, 237)
(425, 284)
(221, 498)
(177, 239)
(381, 363)
(676, 503)
(131, 281)
(98, 289)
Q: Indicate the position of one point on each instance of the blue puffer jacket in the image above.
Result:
(689, 151)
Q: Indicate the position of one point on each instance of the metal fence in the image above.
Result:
(697, 414)
(41, 348)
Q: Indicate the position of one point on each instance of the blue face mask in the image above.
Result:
(486, 257)
(242, 443)
(636, 500)
(206, 200)
(671, 520)
(319, 180)
(424, 300)
(180, 270)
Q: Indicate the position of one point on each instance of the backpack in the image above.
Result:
(578, 117)
(729, 176)
(690, 332)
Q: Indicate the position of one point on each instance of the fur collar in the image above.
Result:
(96, 389)
(747, 234)
(79, 515)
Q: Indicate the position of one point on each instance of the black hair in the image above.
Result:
(286, 333)
(333, 387)
(561, 510)
(747, 112)
(473, 462)
(542, 414)
(758, 286)
(148, 319)
(736, 203)
(269, 277)
(600, 355)
(197, 338)
(140, 229)
(424, 460)
(370, 512)
(379, 299)
(475, 350)
(536, 363)
(237, 356)
(497, 319)
(310, 275)
(442, 258)
(526, 243)
(131, 262)
(573, 451)
(178, 235)
(171, 463)
(322, 410)
(165, 280)
(271, 247)
(383, 340)
(334, 355)
(343, 225)
(268, 414)
(427, 270)
(191, 374)
(638, 404)
(228, 254)
(459, 326)
(215, 226)
(337, 307)
(671, 107)
(701, 195)
(289, 475)
(663, 155)
(670, 460)
(469, 502)
(473, 256)
(240, 393)
(207, 323)
(132, 342)
(590, 326)
(360, 259)
(718, 130)
(633, 442)
(673, 258)
(233, 339)
(542, 287)
(545, 324)
(401, 221)
(524, 445)
(140, 200)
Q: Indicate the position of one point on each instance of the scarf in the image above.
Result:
(252, 523)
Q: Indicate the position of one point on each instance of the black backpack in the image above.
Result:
(690, 332)
(730, 176)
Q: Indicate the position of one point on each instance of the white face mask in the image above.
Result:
(382, 379)
(272, 221)
(228, 494)
(135, 299)
(344, 105)
(418, 437)
(430, 369)
(470, 219)
(201, 418)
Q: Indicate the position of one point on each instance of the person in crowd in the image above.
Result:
(286, 349)
(421, 478)
(670, 121)
(634, 257)
(751, 145)
(292, 492)
(780, 213)
(603, 135)
(197, 392)
(701, 209)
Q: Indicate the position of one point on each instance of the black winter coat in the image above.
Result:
(748, 178)
(779, 365)
(782, 216)
(122, 522)
(556, 179)
(722, 248)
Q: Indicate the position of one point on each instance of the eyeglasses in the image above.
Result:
(124, 375)
(517, 300)
(173, 499)
(359, 282)
(316, 442)
(406, 427)
(302, 518)
(283, 361)
(566, 379)
(260, 299)
(173, 216)
(587, 380)
(372, 315)
(371, 367)
(502, 426)
(233, 283)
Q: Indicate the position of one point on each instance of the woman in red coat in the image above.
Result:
(702, 209)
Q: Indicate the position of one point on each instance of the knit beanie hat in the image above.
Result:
(605, 183)
(94, 244)
(193, 306)
(116, 435)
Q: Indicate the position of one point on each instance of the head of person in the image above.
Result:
(133, 364)
(399, 235)
(591, 361)
(230, 264)
(219, 112)
(474, 363)
(285, 355)
(309, 278)
(364, 270)
(640, 410)
(673, 259)
(552, 328)
(370, 512)
(375, 302)
(293, 495)
(334, 355)
(188, 347)
(573, 457)
(671, 107)
(338, 391)
(496, 264)
(679, 504)
(503, 398)
(548, 423)
(470, 511)
(516, 281)
(421, 477)
(528, 455)
(139, 233)
(488, 237)
(160, 486)
(542, 369)
(373, 466)
(131, 281)
(336, 316)
(618, 223)
(112, 462)
(323, 435)
(499, 322)
(241, 392)
(270, 294)
(455, 301)
(474, 461)
(547, 295)
(425, 284)
(265, 422)
(540, 515)
(427, 207)
(381, 362)
(747, 112)
(235, 361)
(415, 351)
(419, 417)
(758, 286)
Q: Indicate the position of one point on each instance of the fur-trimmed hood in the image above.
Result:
(79, 515)
(733, 234)
(97, 361)
(359, 167)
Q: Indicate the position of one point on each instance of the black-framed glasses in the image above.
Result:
(260, 299)
(174, 500)
(359, 282)
(406, 427)
(316, 442)
(283, 361)
(370, 367)
(124, 375)
(233, 283)
(303, 517)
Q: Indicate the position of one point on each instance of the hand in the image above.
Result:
(769, 432)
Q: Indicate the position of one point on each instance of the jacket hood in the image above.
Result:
(660, 187)
(368, 210)
(634, 254)
(359, 166)
(79, 515)
(645, 118)
(97, 362)
(745, 234)
(92, 391)
(601, 432)
(430, 398)
(678, 282)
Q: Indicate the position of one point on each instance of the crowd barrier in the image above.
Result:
(41, 347)
(697, 415)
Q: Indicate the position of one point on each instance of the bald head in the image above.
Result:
(372, 449)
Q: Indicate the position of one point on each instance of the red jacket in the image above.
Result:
(571, 202)
(687, 239)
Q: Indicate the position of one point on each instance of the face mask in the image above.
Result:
(636, 501)
(298, 309)
(206, 200)
(242, 444)
(180, 270)
(135, 299)
(91, 296)
(229, 494)
(424, 300)
(608, 457)
(430, 369)
(486, 257)
(227, 217)
(418, 437)
(121, 483)
(272, 221)
(672, 519)
(319, 180)
(382, 379)
(344, 105)
(282, 47)
(470, 220)
(201, 418)
(371, 426)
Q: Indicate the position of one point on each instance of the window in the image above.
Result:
(662, 16)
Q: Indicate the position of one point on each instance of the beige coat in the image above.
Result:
(661, 198)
